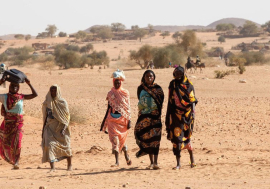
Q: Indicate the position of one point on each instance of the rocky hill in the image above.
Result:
(236, 21)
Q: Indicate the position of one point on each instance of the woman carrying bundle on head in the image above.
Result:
(56, 131)
(148, 127)
(181, 114)
(117, 119)
(12, 109)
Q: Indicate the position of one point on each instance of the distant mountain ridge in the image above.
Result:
(236, 21)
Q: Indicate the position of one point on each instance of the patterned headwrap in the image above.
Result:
(178, 68)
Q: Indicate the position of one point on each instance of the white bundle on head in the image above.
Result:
(118, 74)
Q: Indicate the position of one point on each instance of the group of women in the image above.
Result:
(179, 118)
(55, 132)
(117, 121)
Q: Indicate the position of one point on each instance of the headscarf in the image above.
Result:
(154, 90)
(58, 105)
(148, 71)
(118, 99)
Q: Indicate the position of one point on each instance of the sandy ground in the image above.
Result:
(231, 136)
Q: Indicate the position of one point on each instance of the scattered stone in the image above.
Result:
(142, 161)
(193, 76)
(242, 81)
(38, 167)
(187, 187)
(42, 187)
(205, 78)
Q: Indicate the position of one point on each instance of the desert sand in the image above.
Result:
(230, 139)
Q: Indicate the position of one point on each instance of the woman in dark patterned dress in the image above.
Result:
(148, 127)
(180, 115)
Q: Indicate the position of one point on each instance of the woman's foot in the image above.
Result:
(129, 162)
(69, 168)
(156, 167)
(52, 170)
(193, 165)
(150, 166)
(115, 165)
(176, 168)
(16, 166)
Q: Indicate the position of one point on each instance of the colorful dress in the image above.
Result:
(11, 128)
(148, 127)
(55, 115)
(117, 118)
(179, 122)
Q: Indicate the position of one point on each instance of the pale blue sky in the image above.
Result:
(32, 16)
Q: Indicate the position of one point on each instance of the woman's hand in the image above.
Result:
(129, 124)
(3, 79)
(27, 81)
(63, 131)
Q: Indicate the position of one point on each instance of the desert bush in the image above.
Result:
(225, 27)
(19, 36)
(27, 37)
(80, 34)
(221, 39)
(3, 57)
(62, 34)
(76, 115)
(219, 74)
(69, 59)
(241, 68)
(75, 48)
(249, 28)
(250, 57)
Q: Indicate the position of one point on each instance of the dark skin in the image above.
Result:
(53, 91)
(179, 75)
(117, 85)
(13, 89)
(149, 79)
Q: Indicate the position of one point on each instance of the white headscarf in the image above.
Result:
(58, 105)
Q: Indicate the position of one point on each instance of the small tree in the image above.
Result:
(118, 27)
(266, 26)
(145, 53)
(69, 59)
(249, 28)
(164, 34)
(19, 36)
(225, 27)
(133, 55)
(74, 48)
(80, 34)
(85, 60)
(188, 39)
(221, 39)
(85, 49)
(105, 32)
(177, 36)
(135, 27)
(62, 34)
(27, 37)
(51, 29)
(140, 33)
(151, 28)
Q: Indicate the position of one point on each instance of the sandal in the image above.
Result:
(129, 162)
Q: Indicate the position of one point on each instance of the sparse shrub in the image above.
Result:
(62, 34)
(219, 74)
(75, 48)
(241, 68)
(221, 39)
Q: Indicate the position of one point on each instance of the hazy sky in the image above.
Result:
(33, 16)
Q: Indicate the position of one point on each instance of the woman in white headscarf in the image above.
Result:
(56, 132)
